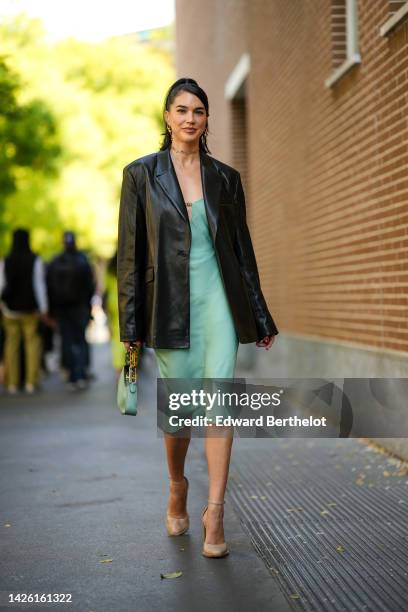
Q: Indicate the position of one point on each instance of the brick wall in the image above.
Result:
(328, 168)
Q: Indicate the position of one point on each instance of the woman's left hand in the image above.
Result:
(266, 342)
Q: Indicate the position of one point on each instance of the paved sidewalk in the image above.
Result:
(329, 518)
(83, 496)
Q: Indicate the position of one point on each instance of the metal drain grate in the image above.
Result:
(329, 519)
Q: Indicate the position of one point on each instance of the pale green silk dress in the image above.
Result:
(213, 338)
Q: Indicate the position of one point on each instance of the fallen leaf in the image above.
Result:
(323, 512)
(253, 496)
(295, 596)
(394, 461)
(340, 549)
(332, 504)
(7, 524)
(106, 561)
(171, 575)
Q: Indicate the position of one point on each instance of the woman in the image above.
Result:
(188, 283)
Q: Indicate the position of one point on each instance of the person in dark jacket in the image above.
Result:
(71, 286)
(23, 302)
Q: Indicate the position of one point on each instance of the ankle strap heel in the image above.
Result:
(178, 525)
(178, 483)
(213, 550)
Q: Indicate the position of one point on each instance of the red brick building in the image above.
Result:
(309, 100)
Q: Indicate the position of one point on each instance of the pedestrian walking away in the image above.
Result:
(188, 284)
(24, 303)
(71, 286)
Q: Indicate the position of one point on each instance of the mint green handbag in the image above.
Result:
(127, 383)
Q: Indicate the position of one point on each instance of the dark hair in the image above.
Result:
(21, 241)
(191, 86)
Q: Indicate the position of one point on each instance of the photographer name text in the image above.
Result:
(260, 421)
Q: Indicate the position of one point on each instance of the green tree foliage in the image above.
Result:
(28, 141)
(107, 102)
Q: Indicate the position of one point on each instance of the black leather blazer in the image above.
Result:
(154, 242)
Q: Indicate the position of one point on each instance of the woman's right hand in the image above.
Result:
(127, 344)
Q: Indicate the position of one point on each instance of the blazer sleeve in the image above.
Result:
(131, 256)
(247, 261)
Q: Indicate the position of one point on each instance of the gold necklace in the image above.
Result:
(189, 204)
(181, 151)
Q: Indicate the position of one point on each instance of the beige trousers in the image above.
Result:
(24, 325)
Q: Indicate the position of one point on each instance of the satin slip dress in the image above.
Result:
(213, 338)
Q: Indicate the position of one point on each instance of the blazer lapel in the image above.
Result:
(211, 183)
(167, 178)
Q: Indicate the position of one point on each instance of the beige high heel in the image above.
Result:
(213, 550)
(178, 525)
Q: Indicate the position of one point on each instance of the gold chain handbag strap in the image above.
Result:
(133, 358)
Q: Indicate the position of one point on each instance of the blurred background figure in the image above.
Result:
(2, 370)
(23, 302)
(112, 312)
(71, 286)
